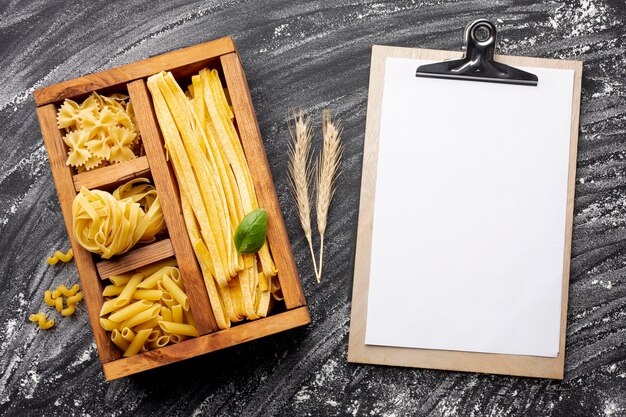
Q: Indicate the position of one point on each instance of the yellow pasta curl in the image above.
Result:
(109, 226)
(60, 256)
(40, 319)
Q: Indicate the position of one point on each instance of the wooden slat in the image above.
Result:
(167, 187)
(192, 59)
(208, 343)
(262, 177)
(135, 259)
(91, 285)
(113, 174)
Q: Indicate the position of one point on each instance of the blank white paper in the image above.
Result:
(470, 213)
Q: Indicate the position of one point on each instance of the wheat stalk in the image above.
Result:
(327, 170)
(301, 173)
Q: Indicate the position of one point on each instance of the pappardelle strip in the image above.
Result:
(138, 308)
(216, 193)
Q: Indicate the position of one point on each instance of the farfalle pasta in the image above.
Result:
(99, 131)
(111, 224)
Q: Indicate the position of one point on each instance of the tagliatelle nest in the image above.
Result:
(99, 131)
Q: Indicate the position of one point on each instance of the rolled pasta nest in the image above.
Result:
(111, 224)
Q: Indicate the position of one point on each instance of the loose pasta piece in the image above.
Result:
(138, 342)
(153, 280)
(48, 299)
(128, 334)
(129, 289)
(69, 310)
(121, 280)
(178, 328)
(109, 325)
(60, 256)
(160, 342)
(112, 290)
(130, 310)
(150, 324)
(120, 342)
(152, 295)
(59, 304)
(177, 314)
(40, 319)
(142, 316)
(74, 298)
(178, 294)
(63, 290)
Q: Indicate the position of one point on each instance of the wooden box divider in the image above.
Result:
(113, 174)
(183, 63)
(135, 258)
(166, 184)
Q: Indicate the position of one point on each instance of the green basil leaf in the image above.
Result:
(251, 232)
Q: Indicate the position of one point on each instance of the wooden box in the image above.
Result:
(130, 79)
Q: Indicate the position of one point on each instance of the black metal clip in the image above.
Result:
(478, 63)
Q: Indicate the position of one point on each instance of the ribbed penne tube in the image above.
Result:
(149, 270)
(178, 328)
(168, 300)
(120, 279)
(142, 316)
(47, 298)
(150, 324)
(127, 293)
(160, 342)
(178, 294)
(130, 310)
(59, 304)
(152, 295)
(112, 290)
(109, 325)
(154, 335)
(120, 342)
(151, 281)
(74, 299)
(177, 313)
(69, 310)
(166, 313)
(127, 334)
(137, 344)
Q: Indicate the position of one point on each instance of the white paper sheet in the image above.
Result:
(470, 213)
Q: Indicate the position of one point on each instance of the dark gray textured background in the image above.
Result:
(308, 54)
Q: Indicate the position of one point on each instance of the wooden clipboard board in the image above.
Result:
(506, 364)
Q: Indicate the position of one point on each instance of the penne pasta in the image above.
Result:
(152, 295)
(177, 314)
(153, 268)
(130, 310)
(154, 335)
(129, 289)
(166, 313)
(150, 324)
(142, 316)
(175, 276)
(109, 325)
(168, 300)
(120, 279)
(176, 338)
(178, 328)
(112, 290)
(138, 342)
(160, 342)
(178, 294)
(128, 334)
(155, 278)
(120, 342)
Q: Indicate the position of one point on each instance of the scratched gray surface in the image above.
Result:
(310, 55)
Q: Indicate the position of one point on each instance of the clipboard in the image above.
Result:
(457, 360)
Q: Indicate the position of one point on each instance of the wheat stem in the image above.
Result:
(327, 171)
(301, 172)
